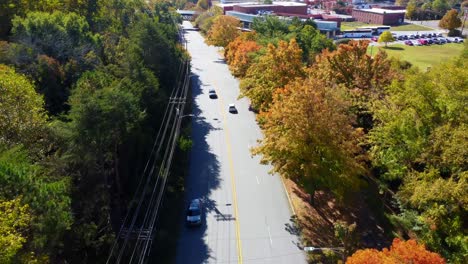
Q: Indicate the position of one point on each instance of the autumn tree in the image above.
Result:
(239, 53)
(386, 37)
(224, 30)
(450, 21)
(364, 76)
(274, 70)
(407, 252)
(309, 137)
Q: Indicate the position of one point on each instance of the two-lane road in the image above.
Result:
(246, 211)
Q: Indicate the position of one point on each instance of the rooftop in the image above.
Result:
(382, 11)
(261, 5)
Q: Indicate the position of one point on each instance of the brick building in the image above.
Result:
(285, 7)
(379, 16)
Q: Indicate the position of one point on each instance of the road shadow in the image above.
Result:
(204, 176)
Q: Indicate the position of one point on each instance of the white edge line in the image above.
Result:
(269, 235)
(291, 206)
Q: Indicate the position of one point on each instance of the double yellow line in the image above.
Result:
(233, 182)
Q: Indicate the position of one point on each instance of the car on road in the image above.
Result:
(423, 41)
(400, 37)
(429, 41)
(232, 109)
(435, 41)
(194, 213)
(416, 43)
(212, 94)
(442, 40)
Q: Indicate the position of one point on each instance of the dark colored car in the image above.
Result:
(408, 42)
(194, 213)
(429, 41)
(212, 94)
(435, 41)
(232, 109)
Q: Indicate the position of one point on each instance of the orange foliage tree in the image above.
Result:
(224, 30)
(239, 53)
(401, 252)
(309, 138)
(274, 70)
(364, 76)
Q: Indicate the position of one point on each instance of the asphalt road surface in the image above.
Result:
(247, 216)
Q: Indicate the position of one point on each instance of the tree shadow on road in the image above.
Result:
(204, 177)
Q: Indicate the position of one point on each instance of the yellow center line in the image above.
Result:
(231, 172)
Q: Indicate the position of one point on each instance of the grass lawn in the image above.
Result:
(354, 25)
(410, 27)
(421, 56)
(405, 27)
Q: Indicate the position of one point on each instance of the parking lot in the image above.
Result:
(419, 39)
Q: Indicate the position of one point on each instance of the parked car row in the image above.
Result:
(417, 36)
(430, 41)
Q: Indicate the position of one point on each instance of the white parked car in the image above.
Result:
(416, 43)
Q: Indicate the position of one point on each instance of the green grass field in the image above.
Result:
(354, 25)
(405, 27)
(410, 27)
(421, 56)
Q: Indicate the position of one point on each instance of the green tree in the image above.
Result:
(46, 194)
(421, 140)
(440, 6)
(14, 221)
(386, 37)
(312, 42)
(22, 116)
(410, 9)
(59, 35)
(270, 27)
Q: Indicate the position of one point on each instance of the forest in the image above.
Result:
(83, 84)
(338, 121)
